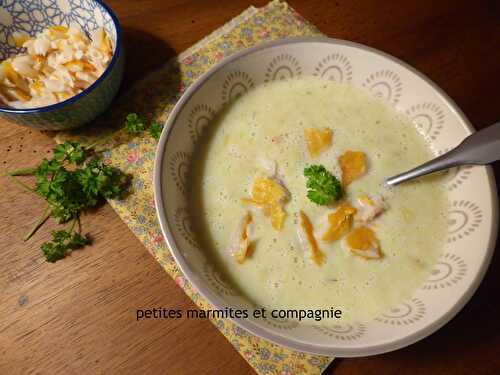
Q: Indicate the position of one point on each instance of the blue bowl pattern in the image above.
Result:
(34, 16)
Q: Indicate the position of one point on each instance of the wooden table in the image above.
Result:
(78, 316)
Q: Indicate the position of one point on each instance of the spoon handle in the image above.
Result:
(482, 147)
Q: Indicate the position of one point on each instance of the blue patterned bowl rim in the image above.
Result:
(77, 97)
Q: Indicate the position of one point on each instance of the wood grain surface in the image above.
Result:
(78, 316)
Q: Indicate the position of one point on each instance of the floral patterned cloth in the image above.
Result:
(136, 156)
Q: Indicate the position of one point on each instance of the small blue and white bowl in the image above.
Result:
(33, 17)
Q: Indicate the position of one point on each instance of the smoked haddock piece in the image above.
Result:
(306, 238)
(239, 246)
(363, 242)
(353, 166)
(340, 222)
(269, 195)
(317, 140)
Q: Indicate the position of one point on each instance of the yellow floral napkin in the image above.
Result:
(155, 97)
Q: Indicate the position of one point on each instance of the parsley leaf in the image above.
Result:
(155, 130)
(322, 187)
(100, 180)
(46, 168)
(62, 243)
(71, 151)
(62, 190)
(134, 124)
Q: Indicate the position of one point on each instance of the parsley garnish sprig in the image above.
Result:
(155, 130)
(63, 242)
(73, 181)
(323, 187)
(134, 124)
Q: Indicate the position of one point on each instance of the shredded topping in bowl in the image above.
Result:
(59, 62)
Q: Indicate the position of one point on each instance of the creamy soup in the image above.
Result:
(264, 135)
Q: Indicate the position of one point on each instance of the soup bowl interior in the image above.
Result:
(472, 217)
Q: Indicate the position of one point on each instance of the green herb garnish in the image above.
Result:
(322, 187)
(74, 180)
(68, 192)
(155, 130)
(134, 124)
(70, 182)
(63, 242)
(71, 151)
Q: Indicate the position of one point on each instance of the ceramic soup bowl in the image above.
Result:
(472, 221)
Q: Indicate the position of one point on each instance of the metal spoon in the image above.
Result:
(482, 147)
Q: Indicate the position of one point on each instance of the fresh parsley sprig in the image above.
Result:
(74, 180)
(323, 187)
(134, 123)
(155, 130)
(63, 243)
(71, 151)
